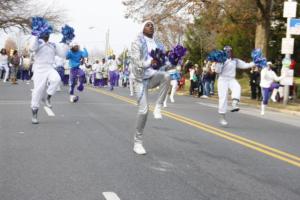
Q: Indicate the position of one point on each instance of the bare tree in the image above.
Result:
(170, 16)
(18, 14)
(254, 12)
(262, 34)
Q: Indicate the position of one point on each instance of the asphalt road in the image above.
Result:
(85, 151)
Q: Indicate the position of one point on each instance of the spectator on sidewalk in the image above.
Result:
(206, 79)
(212, 80)
(200, 84)
(193, 78)
(14, 62)
(254, 83)
(4, 64)
(25, 69)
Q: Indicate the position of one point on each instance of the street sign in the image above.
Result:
(287, 46)
(290, 9)
(295, 27)
(288, 76)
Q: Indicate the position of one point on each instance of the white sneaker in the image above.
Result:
(73, 98)
(139, 149)
(223, 121)
(235, 107)
(47, 102)
(157, 112)
(172, 99)
(204, 97)
(273, 99)
(34, 119)
(262, 112)
(165, 104)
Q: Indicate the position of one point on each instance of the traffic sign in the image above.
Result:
(295, 27)
(290, 9)
(287, 46)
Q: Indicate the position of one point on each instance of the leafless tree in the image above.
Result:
(170, 16)
(257, 12)
(18, 13)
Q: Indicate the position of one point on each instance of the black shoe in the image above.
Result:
(34, 119)
(235, 110)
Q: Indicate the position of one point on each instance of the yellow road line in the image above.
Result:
(275, 153)
(236, 136)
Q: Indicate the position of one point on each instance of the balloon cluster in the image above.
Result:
(217, 56)
(159, 56)
(258, 58)
(40, 27)
(68, 34)
(176, 55)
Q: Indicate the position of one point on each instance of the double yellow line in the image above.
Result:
(267, 150)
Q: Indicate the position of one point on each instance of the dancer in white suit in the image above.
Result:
(227, 73)
(44, 73)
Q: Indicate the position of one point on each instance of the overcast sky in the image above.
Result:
(92, 18)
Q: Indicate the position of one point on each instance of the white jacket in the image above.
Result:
(3, 60)
(267, 77)
(45, 52)
(228, 69)
(112, 65)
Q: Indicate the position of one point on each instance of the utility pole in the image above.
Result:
(107, 45)
(290, 8)
(124, 58)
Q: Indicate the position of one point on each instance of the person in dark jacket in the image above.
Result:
(15, 62)
(254, 83)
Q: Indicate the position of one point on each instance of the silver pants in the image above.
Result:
(161, 79)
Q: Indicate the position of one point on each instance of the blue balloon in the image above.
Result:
(40, 27)
(258, 58)
(68, 34)
(217, 56)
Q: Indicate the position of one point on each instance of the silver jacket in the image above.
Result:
(138, 54)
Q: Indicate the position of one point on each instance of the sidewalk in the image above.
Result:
(292, 108)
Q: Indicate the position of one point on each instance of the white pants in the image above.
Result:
(161, 79)
(41, 79)
(172, 90)
(279, 90)
(6, 68)
(223, 85)
(131, 86)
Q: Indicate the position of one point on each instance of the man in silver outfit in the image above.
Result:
(146, 78)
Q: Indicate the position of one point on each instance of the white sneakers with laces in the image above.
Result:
(263, 107)
(139, 149)
(157, 112)
(223, 121)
